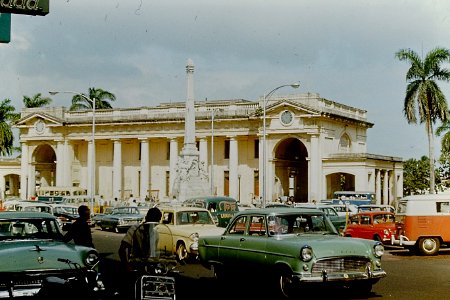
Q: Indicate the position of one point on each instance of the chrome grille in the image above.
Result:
(341, 264)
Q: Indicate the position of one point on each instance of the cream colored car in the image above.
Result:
(180, 228)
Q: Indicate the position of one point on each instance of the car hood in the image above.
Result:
(17, 256)
(334, 245)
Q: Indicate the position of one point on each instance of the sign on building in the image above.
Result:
(25, 7)
(5, 28)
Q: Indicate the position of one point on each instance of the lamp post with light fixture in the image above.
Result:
(92, 139)
(264, 144)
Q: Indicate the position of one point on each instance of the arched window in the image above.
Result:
(344, 143)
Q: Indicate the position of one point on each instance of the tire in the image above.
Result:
(182, 254)
(429, 246)
(377, 238)
(284, 286)
(219, 272)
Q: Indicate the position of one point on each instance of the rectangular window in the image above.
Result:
(227, 149)
(256, 183)
(168, 151)
(226, 183)
(167, 183)
(197, 145)
(140, 148)
(256, 148)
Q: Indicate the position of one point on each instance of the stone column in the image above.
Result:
(60, 159)
(315, 169)
(173, 163)
(68, 154)
(386, 187)
(260, 168)
(24, 172)
(117, 169)
(31, 180)
(378, 185)
(203, 158)
(145, 168)
(233, 166)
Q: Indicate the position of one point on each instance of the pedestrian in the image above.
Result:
(80, 230)
(131, 200)
(140, 242)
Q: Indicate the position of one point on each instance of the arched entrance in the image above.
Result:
(291, 169)
(12, 185)
(339, 182)
(44, 161)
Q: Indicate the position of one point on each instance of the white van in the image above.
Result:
(423, 223)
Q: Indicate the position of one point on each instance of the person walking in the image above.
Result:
(80, 230)
(140, 242)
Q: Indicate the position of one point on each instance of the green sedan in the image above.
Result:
(32, 249)
(293, 248)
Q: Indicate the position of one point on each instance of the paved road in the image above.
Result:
(409, 277)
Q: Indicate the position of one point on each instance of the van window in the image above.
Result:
(443, 207)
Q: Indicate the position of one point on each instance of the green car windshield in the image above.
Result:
(29, 229)
(299, 224)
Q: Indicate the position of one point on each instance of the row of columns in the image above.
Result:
(383, 192)
(64, 166)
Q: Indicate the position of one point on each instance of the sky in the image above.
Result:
(137, 49)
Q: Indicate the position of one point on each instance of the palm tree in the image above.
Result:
(36, 101)
(100, 96)
(7, 116)
(423, 95)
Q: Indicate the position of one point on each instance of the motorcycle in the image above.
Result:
(83, 284)
(155, 280)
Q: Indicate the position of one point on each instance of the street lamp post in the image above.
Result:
(92, 139)
(264, 144)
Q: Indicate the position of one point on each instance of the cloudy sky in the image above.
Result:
(137, 49)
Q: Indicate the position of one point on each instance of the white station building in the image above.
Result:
(314, 147)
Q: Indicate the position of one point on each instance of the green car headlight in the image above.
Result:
(378, 250)
(306, 253)
(91, 259)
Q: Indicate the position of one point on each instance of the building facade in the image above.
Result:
(314, 147)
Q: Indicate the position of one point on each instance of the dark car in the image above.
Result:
(97, 217)
(32, 249)
(121, 218)
(291, 248)
(222, 208)
(372, 225)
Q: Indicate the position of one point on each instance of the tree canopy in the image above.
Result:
(36, 101)
(424, 100)
(101, 98)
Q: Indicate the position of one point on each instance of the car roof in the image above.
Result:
(25, 215)
(180, 208)
(374, 212)
(280, 210)
(215, 198)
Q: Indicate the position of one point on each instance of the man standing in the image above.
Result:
(80, 230)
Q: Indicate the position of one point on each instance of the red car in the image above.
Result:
(371, 225)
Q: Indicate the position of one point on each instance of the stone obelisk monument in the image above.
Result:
(192, 178)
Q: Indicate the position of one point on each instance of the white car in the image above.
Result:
(376, 207)
(28, 206)
(343, 209)
(180, 228)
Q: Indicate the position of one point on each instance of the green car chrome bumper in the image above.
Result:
(342, 277)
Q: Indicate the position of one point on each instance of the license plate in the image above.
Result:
(157, 288)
